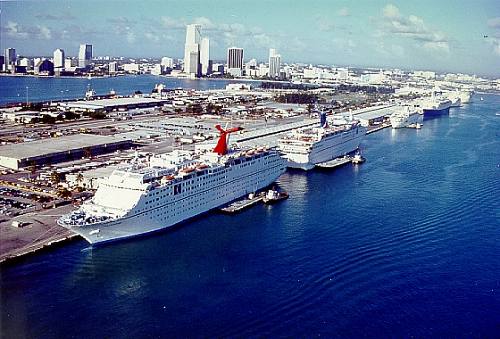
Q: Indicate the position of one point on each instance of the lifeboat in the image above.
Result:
(201, 166)
(187, 170)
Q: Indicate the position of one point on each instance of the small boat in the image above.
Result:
(481, 99)
(418, 125)
(358, 159)
(273, 196)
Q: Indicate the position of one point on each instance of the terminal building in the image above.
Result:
(56, 150)
(109, 105)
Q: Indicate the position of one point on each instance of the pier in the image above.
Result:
(240, 205)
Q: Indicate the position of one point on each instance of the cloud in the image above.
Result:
(17, 31)
(14, 30)
(152, 37)
(45, 32)
(55, 17)
(494, 23)
(130, 36)
(413, 27)
(343, 12)
(205, 23)
(171, 23)
(121, 20)
(325, 26)
(391, 12)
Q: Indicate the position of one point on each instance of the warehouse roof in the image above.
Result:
(55, 145)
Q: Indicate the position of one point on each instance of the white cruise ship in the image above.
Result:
(405, 116)
(305, 148)
(436, 105)
(159, 192)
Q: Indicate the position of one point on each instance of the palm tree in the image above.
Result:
(55, 178)
(79, 178)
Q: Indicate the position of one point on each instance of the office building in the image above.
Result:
(235, 61)
(84, 55)
(206, 67)
(113, 67)
(10, 59)
(274, 63)
(192, 50)
(59, 58)
(167, 62)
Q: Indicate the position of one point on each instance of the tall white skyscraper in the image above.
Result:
(205, 56)
(59, 58)
(167, 62)
(274, 63)
(192, 50)
(84, 55)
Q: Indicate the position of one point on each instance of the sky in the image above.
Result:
(445, 36)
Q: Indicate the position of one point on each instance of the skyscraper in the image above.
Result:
(84, 55)
(274, 63)
(205, 57)
(192, 50)
(59, 58)
(10, 58)
(235, 61)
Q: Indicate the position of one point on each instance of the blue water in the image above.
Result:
(13, 89)
(405, 245)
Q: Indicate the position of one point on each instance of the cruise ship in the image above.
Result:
(405, 116)
(436, 105)
(163, 190)
(307, 147)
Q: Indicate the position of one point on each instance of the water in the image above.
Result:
(13, 89)
(407, 244)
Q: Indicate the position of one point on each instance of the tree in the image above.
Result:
(55, 178)
(79, 179)
(63, 193)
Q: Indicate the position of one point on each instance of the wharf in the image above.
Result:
(240, 205)
(335, 162)
(378, 128)
(41, 232)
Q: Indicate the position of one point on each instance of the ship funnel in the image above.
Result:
(221, 147)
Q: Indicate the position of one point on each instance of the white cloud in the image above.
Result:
(14, 30)
(152, 37)
(343, 12)
(45, 32)
(171, 23)
(391, 12)
(205, 23)
(494, 23)
(130, 36)
(413, 27)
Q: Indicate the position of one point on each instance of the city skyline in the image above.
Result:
(424, 35)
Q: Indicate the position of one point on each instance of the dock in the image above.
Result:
(335, 162)
(240, 205)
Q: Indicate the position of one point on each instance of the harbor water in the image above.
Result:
(15, 89)
(405, 245)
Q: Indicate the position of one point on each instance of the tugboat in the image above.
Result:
(273, 196)
(357, 158)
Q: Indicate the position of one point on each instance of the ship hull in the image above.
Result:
(326, 150)
(405, 122)
(189, 204)
(436, 112)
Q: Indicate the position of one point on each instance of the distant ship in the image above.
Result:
(405, 116)
(436, 105)
(305, 148)
(166, 189)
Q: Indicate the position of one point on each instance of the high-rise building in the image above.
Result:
(10, 58)
(59, 58)
(206, 67)
(167, 62)
(84, 55)
(235, 60)
(274, 63)
(113, 67)
(192, 50)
